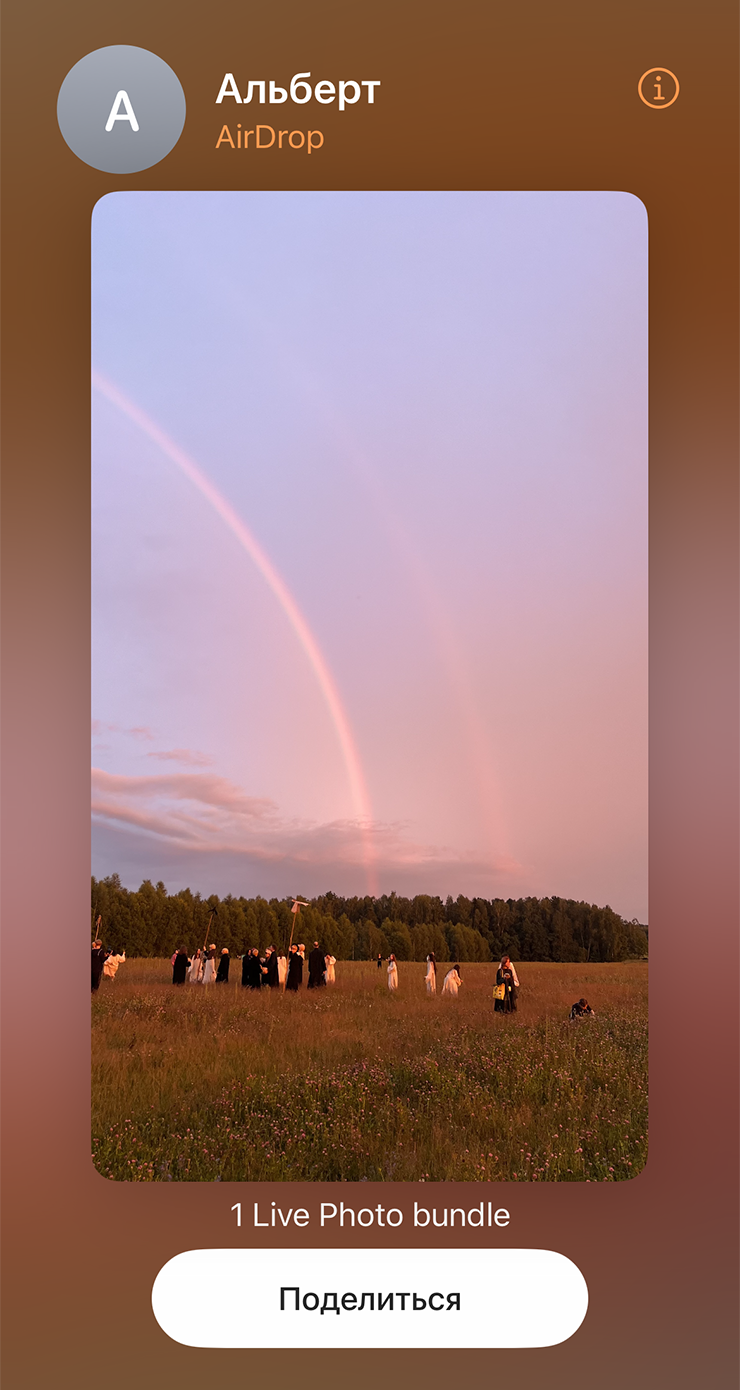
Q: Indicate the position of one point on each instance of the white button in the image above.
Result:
(232, 1298)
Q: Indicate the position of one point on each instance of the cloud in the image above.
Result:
(190, 756)
(202, 816)
(137, 731)
(195, 809)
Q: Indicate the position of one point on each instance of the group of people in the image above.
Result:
(505, 993)
(274, 970)
(452, 980)
(104, 963)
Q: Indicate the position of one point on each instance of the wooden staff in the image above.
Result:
(295, 909)
(208, 928)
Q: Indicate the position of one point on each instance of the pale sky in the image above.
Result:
(370, 524)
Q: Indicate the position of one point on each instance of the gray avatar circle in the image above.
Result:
(121, 109)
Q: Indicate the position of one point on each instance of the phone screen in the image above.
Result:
(370, 425)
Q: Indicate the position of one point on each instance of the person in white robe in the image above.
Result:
(431, 975)
(209, 969)
(282, 969)
(195, 973)
(392, 974)
(329, 973)
(452, 981)
(111, 965)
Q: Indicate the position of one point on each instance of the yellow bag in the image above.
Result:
(499, 991)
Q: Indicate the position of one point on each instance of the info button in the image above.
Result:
(370, 1298)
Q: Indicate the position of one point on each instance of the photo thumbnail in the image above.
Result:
(369, 789)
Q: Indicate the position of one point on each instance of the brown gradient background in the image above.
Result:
(474, 95)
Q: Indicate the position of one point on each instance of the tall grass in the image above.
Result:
(350, 1083)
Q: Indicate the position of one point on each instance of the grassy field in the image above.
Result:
(350, 1083)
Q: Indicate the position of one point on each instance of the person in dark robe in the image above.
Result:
(316, 967)
(581, 1009)
(273, 977)
(506, 975)
(295, 970)
(180, 966)
(252, 969)
(99, 957)
(380, 962)
(222, 974)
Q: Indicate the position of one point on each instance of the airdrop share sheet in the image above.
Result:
(370, 382)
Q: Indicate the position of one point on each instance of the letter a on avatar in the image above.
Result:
(116, 114)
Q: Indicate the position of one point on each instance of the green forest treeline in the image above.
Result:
(152, 922)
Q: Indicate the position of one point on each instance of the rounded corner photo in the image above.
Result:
(369, 785)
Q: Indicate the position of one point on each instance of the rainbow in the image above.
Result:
(277, 585)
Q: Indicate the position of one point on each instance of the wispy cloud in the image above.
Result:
(208, 815)
(190, 757)
(99, 726)
(198, 809)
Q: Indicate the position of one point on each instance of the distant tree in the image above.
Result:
(377, 943)
(465, 944)
(398, 936)
(347, 938)
(151, 922)
(424, 910)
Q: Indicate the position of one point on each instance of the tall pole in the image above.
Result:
(295, 909)
(208, 931)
